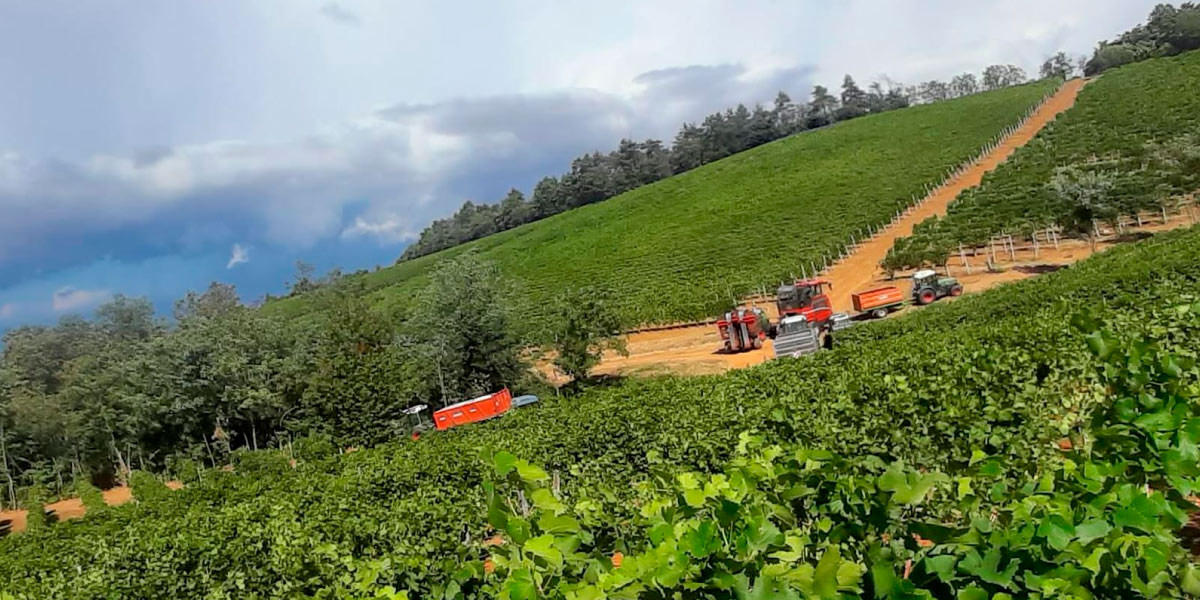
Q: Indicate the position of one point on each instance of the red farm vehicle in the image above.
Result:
(927, 287)
(877, 303)
(805, 298)
(744, 329)
(806, 318)
(470, 411)
(476, 409)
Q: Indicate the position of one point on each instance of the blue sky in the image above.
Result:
(149, 148)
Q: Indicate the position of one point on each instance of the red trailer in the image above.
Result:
(470, 411)
(879, 301)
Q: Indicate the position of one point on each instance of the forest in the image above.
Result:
(1167, 31)
(95, 399)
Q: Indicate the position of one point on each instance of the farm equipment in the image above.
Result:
(744, 329)
(807, 320)
(797, 336)
(927, 287)
(877, 303)
(805, 298)
(420, 425)
(469, 411)
(475, 409)
(806, 317)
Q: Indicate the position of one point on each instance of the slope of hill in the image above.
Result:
(1001, 372)
(1138, 127)
(683, 247)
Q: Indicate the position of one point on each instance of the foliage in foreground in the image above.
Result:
(790, 522)
(999, 372)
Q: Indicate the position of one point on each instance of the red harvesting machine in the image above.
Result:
(744, 329)
(805, 298)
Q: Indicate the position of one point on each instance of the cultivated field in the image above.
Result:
(682, 248)
(1137, 127)
(1002, 373)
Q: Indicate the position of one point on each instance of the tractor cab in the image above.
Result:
(924, 278)
(416, 424)
(805, 298)
(793, 325)
(928, 286)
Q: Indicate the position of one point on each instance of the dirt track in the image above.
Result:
(861, 270)
(691, 350)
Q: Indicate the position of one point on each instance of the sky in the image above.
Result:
(150, 148)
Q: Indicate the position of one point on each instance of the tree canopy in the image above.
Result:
(1167, 31)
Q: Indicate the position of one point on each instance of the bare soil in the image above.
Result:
(72, 508)
(694, 350)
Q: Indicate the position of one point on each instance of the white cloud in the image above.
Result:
(420, 161)
(69, 298)
(240, 254)
(7, 310)
(388, 230)
(487, 109)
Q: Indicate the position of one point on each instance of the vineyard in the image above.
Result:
(1135, 129)
(670, 478)
(681, 248)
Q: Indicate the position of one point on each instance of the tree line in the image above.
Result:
(596, 176)
(1167, 31)
(97, 398)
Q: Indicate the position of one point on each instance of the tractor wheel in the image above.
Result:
(926, 296)
(879, 313)
(956, 290)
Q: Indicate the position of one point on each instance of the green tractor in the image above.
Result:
(927, 287)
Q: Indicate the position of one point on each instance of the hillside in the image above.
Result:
(1001, 373)
(682, 247)
(1135, 128)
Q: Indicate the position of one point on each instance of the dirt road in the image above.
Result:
(691, 350)
(861, 270)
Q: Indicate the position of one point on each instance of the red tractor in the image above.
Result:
(805, 298)
(806, 318)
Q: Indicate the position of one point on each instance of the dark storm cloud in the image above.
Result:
(381, 177)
